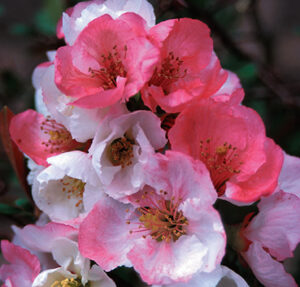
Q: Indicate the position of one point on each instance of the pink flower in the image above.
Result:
(170, 230)
(75, 19)
(121, 147)
(273, 234)
(40, 137)
(81, 123)
(230, 139)
(187, 69)
(23, 267)
(110, 61)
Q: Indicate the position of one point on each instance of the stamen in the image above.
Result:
(74, 188)
(112, 67)
(69, 282)
(162, 219)
(222, 162)
(169, 72)
(120, 151)
(59, 140)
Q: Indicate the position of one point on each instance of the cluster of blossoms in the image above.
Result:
(138, 131)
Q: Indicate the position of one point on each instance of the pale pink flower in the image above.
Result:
(222, 276)
(273, 235)
(187, 68)
(191, 240)
(122, 145)
(75, 19)
(67, 188)
(230, 139)
(23, 267)
(59, 242)
(109, 62)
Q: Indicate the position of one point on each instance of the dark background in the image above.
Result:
(258, 40)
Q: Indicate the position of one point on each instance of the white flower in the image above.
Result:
(68, 187)
(78, 17)
(121, 147)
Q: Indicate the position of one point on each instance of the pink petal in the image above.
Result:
(268, 271)
(23, 267)
(289, 179)
(277, 225)
(104, 234)
(41, 238)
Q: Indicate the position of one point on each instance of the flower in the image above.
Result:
(122, 145)
(230, 139)
(75, 19)
(39, 137)
(75, 270)
(187, 68)
(81, 123)
(110, 61)
(273, 235)
(68, 187)
(170, 230)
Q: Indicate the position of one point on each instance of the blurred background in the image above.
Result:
(257, 39)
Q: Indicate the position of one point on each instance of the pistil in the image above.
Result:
(222, 162)
(112, 67)
(120, 151)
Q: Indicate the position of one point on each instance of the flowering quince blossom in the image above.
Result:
(273, 234)
(230, 139)
(73, 270)
(221, 276)
(23, 267)
(122, 145)
(75, 19)
(39, 137)
(81, 123)
(110, 61)
(187, 67)
(68, 187)
(121, 185)
(169, 231)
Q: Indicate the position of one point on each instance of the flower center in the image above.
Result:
(59, 139)
(73, 187)
(69, 282)
(121, 151)
(222, 162)
(163, 221)
(112, 67)
(169, 72)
